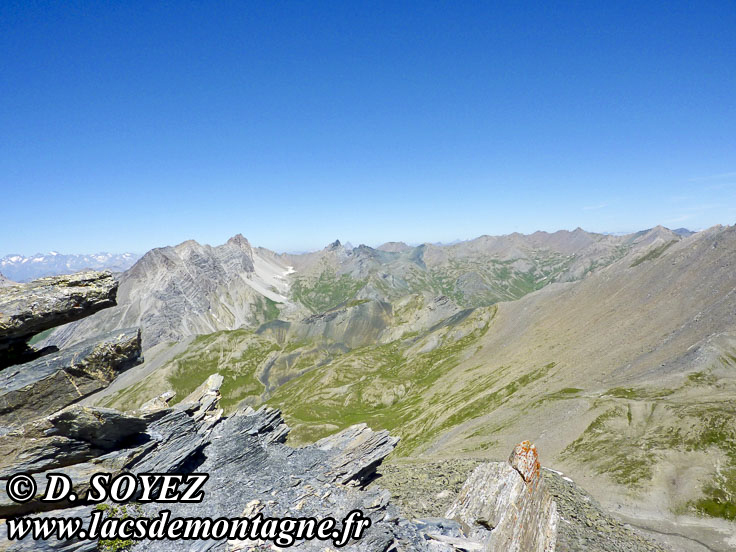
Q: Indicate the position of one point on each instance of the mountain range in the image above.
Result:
(20, 268)
(615, 354)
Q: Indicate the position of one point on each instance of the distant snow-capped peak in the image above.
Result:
(21, 268)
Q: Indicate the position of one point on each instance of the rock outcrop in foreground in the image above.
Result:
(58, 379)
(507, 506)
(28, 309)
(252, 471)
(40, 382)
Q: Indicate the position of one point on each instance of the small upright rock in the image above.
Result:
(525, 460)
(506, 506)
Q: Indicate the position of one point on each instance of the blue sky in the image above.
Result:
(130, 125)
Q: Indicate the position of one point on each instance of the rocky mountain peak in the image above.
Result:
(190, 289)
(240, 241)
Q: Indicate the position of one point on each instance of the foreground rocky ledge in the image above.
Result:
(28, 309)
(252, 471)
(49, 383)
(38, 383)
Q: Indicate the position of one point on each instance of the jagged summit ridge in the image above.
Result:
(191, 289)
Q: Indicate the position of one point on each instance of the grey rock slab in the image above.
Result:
(47, 384)
(359, 452)
(27, 309)
(178, 444)
(247, 467)
(103, 428)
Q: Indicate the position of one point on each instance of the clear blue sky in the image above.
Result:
(130, 125)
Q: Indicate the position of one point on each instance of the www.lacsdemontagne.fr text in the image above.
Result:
(281, 531)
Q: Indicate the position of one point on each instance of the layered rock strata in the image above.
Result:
(28, 309)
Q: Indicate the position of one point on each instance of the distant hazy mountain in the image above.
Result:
(684, 232)
(472, 273)
(23, 269)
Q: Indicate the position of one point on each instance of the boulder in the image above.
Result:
(525, 460)
(359, 452)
